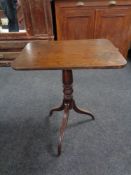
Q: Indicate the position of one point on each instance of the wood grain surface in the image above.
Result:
(72, 54)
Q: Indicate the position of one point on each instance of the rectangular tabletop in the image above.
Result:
(70, 54)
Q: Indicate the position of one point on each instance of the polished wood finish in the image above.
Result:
(75, 54)
(38, 18)
(95, 19)
(117, 21)
(68, 55)
(73, 23)
(67, 104)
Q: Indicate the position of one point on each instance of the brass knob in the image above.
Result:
(112, 2)
(80, 3)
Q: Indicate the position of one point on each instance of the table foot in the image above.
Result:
(81, 111)
(63, 127)
(61, 108)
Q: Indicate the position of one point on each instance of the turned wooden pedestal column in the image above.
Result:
(67, 104)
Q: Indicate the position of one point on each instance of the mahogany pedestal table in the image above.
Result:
(65, 56)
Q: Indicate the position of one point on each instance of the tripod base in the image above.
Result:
(67, 105)
(73, 106)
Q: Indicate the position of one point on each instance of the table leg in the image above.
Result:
(82, 111)
(63, 126)
(61, 108)
(68, 104)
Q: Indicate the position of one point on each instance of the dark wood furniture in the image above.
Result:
(86, 19)
(68, 55)
(38, 25)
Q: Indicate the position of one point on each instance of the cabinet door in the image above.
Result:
(74, 22)
(113, 24)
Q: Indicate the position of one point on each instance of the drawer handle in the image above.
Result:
(80, 3)
(112, 2)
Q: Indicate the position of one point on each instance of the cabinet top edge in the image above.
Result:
(96, 2)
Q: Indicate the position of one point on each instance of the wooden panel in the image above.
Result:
(37, 17)
(37, 14)
(75, 23)
(113, 24)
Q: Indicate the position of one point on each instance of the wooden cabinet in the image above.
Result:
(38, 23)
(95, 19)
